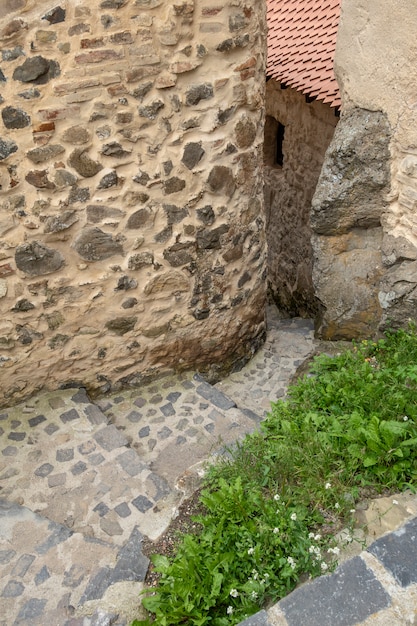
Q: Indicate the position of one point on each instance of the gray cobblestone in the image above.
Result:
(13, 589)
(22, 565)
(142, 503)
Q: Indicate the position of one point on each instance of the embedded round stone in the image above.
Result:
(35, 259)
(15, 118)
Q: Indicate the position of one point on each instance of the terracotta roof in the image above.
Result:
(301, 46)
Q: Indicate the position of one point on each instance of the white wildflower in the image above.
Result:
(405, 418)
(276, 530)
(323, 566)
(291, 562)
(251, 551)
(234, 593)
(293, 517)
(317, 537)
(277, 497)
(327, 486)
(253, 595)
(311, 535)
(229, 610)
(335, 551)
(337, 505)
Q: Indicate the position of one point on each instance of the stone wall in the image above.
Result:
(289, 189)
(365, 209)
(131, 207)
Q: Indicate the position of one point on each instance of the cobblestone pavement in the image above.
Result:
(82, 482)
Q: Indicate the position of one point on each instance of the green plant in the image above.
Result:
(252, 548)
(350, 424)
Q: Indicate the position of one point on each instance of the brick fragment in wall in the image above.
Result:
(98, 56)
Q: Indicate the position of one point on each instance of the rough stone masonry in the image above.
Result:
(131, 215)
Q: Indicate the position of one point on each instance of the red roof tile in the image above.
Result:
(301, 46)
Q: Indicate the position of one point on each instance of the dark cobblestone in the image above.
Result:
(398, 553)
(142, 503)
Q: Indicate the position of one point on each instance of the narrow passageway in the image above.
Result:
(302, 107)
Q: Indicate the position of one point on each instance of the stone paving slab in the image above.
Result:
(397, 551)
(347, 597)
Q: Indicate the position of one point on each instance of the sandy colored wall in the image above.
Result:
(289, 189)
(131, 204)
(367, 278)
